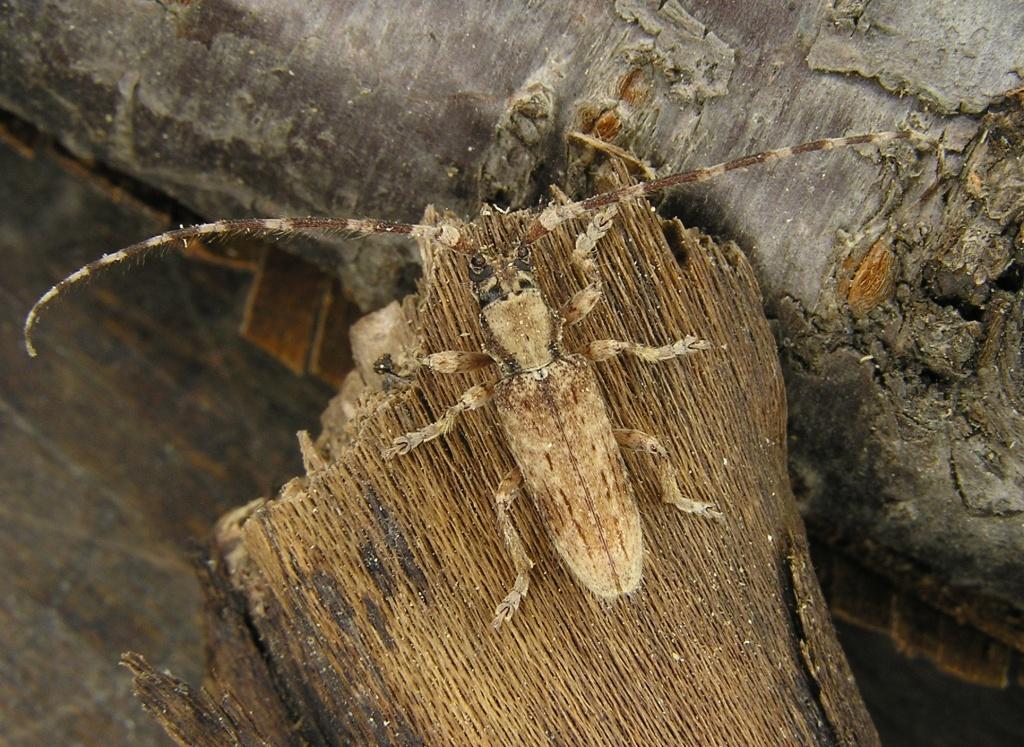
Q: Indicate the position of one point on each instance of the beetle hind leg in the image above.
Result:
(508, 489)
(668, 475)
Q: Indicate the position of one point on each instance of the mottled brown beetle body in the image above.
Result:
(557, 427)
(567, 453)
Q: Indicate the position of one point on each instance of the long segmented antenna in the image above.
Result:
(445, 233)
(555, 215)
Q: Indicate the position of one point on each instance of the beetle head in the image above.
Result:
(520, 331)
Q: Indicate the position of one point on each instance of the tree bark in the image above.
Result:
(896, 299)
(281, 108)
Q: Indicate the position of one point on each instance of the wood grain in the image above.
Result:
(372, 584)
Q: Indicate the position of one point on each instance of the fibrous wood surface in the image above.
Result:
(372, 584)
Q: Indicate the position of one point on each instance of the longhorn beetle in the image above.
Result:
(548, 401)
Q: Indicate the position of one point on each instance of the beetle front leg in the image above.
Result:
(474, 398)
(584, 258)
(445, 362)
(668, 475)
(602, 350)
(508, 489)
(581, 304)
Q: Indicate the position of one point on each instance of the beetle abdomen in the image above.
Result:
(558, 429)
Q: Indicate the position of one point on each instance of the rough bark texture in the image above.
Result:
(385, 575)
(911, 459)
(146, 418)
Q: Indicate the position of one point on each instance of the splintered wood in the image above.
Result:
(372, 582)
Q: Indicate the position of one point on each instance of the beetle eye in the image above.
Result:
(523, 252)
(490, 294)
(477, 263)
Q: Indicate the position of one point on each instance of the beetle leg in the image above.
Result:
(508, 489)
(668, 475)
(445, 362)
(602, 350)
(473, 399)
(584, 257)
(581, 304)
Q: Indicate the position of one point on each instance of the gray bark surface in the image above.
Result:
(144, 419)
(273, 108)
